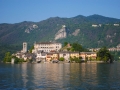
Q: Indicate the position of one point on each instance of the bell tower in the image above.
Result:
(24, 47)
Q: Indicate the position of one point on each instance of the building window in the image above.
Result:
(64, 55)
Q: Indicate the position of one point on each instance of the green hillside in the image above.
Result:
(105, 35)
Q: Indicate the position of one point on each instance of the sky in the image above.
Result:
(15, 11)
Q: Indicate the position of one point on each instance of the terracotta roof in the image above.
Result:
(51, 53)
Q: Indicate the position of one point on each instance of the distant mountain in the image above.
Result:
(78, 29)
(102, 19)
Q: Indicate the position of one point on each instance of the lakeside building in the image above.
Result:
(52, 56)
(47, 47)
(117, 48)
(24, 47)
(48, 51)
(88, 55)
(95, 25)
(94, 49)
(116, 24)
(23, 54)
(67, 55)
(40, 56)
(42, 49)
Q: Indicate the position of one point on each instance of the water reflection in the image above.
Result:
(74, 76)
(45, 75)
(83, 75)
(108, 76)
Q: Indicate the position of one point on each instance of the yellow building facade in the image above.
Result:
(52, 56)
(88, 55)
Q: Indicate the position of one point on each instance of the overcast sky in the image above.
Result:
(14, 11)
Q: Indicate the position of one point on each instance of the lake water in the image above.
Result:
(54, 76)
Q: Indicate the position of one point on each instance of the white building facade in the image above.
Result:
(46, 47)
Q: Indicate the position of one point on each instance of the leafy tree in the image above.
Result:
(77, 47)
(65, 43)
(18, 60)
(71, 59)
(61, 59)
(104, 55)
(86, 59)
(7, 57)
(75, 59)
(68, 49)
(31, 49)
(90, 58)
(116, 55)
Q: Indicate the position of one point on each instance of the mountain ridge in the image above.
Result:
(16, 34)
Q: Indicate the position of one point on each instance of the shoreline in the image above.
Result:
(57, 62)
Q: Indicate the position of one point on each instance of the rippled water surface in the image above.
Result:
(50, 76)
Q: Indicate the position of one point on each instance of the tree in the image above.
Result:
(18, 60)
(31, 49)
(104, 55)
(76, 59)
(71, 59)
(86, 59)
(65, 43)
(61, 59)
(90, 58)
(77, 47)
(7, 57)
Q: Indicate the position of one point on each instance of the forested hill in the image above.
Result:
(78, 29)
